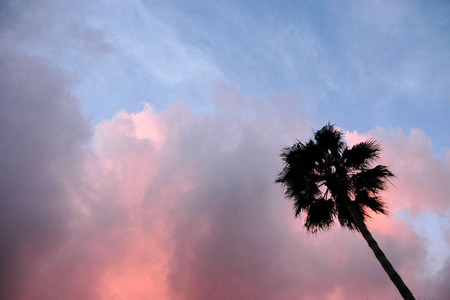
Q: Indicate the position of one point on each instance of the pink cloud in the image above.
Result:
(176, 205)
(216, 227)
(421, 182)
(418, 192)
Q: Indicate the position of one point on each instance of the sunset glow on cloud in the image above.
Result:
(172, 195)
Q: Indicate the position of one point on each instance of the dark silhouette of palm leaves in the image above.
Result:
(329, 181)
(320, 174)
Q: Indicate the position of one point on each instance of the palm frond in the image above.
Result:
(323, 176)
(330, 139)
(304, 198)
(373, 180)
(320, 216)
(298, 159)
(364, 199)
(362, 154)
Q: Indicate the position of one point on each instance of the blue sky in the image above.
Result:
(126, 112)
(358, 64)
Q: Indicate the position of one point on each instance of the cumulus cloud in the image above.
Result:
(176, 205)
(197, 193)
(172, 204)
(421, 183)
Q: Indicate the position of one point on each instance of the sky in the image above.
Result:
(140, 142)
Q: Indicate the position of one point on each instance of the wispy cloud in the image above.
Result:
(159, 201)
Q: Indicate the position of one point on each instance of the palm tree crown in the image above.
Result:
(322, 174)
(328, 180)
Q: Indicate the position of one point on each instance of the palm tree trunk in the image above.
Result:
(387, 266)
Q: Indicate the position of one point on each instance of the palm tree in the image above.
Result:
(327, 180)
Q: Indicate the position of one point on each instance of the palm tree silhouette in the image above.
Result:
(327, 180)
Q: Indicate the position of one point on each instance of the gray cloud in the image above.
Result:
(187, 210)
(42, 134)
(190, 205)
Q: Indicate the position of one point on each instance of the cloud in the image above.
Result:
(42, 134)
(178, 205)
(359, 64)
(170, 204)
(420, 183)
(418, 194)
(190, 198)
